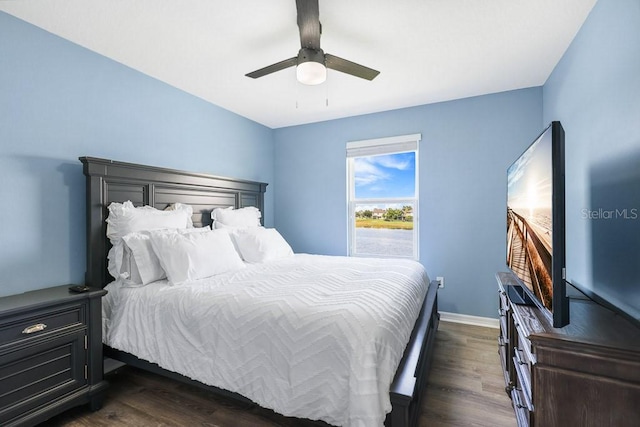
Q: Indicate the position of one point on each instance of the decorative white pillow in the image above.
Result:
(125, 218)
(129, 269)
(192, 256)
(257, 245)
(144, 265)
(236, 218)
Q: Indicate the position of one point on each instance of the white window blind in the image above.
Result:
(375, 147)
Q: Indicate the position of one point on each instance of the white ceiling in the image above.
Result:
(426, 50)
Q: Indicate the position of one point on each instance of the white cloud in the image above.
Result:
(367, 173)
(392, 162)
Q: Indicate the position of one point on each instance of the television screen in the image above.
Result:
(535, 221)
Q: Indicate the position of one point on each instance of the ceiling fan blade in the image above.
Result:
(273, 68)
(344, 66)
(309, 23)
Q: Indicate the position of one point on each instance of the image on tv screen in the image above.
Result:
(529, 218)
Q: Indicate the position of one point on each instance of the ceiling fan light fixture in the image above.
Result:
(311, 73)
(311, 62)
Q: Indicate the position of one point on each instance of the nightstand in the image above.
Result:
(50, 354)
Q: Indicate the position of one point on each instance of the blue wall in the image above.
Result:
(59, 101)
(595, 92)
(466, 148)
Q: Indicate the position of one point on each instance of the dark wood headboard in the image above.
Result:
(109, 181)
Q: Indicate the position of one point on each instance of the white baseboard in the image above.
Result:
(487, 322)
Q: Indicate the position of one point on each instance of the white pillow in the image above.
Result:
(128, 270)
(144, 265)
(124, 218)
(236, 218)
(258, 245)
(192, 256)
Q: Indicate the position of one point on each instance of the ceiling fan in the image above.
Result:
(311, 62)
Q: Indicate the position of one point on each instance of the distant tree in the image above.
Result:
(392, 214)
(407, 213)
(367, 213)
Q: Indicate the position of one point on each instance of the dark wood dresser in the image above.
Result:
(584, 374)
(50, 354)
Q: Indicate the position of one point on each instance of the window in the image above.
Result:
(383, 196)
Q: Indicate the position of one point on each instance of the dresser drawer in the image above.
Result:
(42, 322)
(35, 375)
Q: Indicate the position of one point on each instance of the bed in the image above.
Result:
(109, 181)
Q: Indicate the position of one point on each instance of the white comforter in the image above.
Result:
(309, 336)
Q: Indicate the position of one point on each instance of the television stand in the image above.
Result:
(517, 295)
(584, 374)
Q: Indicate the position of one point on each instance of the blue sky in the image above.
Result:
(385, 176)
(529, 178)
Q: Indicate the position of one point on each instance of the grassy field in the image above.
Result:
(380, 223)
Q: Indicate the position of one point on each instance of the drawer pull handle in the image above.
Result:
(35, 328)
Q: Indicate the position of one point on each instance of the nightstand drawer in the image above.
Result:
(41, 322)
(35, 375)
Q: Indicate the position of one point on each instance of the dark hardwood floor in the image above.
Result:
(466, 388)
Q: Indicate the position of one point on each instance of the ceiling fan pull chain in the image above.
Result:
(326, 92)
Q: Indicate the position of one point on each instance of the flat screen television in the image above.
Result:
(536, 225)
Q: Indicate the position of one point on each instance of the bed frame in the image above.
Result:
(109, 181)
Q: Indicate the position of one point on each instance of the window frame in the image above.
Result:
(377, 147)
